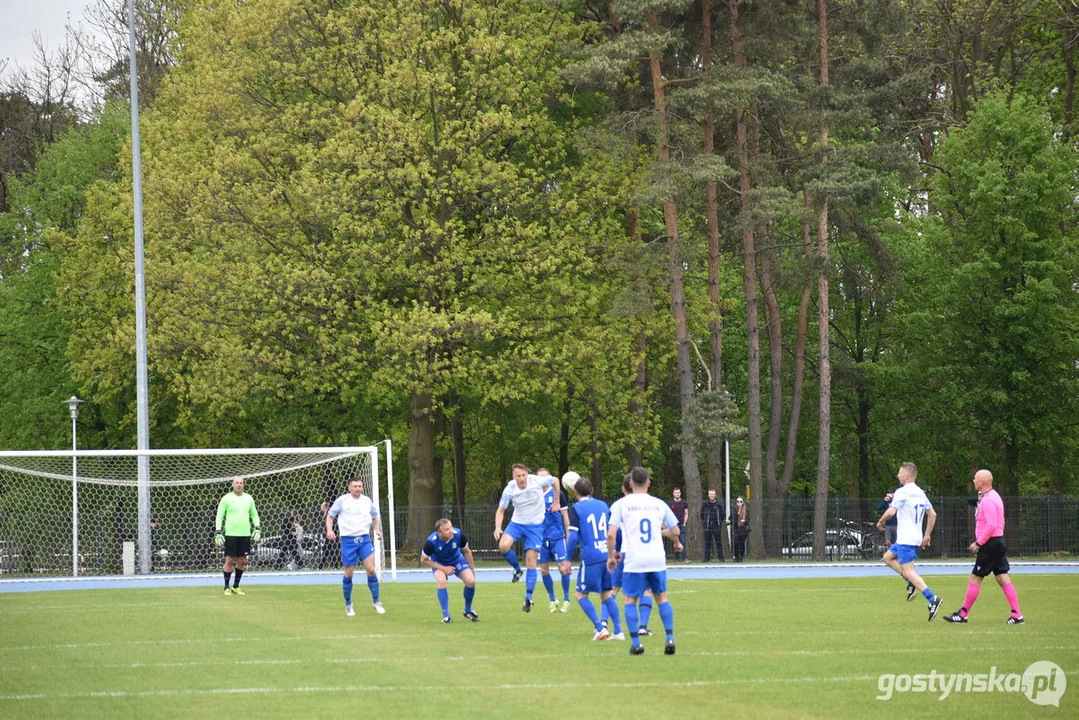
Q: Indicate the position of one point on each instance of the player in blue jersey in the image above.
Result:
(447, 553)
(555, 532)
(525, 492)
(588, 516)
(644, 521)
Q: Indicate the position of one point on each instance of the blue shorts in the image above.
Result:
(635, 583)
(905, 553)
(553, 550)
(530, 535)
(616, 576)
(459, 566)
(593, 578)
(354, 550)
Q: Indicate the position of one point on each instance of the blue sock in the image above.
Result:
(548, 583)
(645, 610)
(604, 613)
(511, 557)
(470, 592)
(444, 601)
(633, 623)
(666, 614)
(346, 587)
(565, 587)
(928, 594)
(530, 583)
(610, 607)
(372, 585)
(590, 611)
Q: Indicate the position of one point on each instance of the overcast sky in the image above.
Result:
(20, 18)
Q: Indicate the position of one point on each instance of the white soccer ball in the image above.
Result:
(569, 481)
(163, 552)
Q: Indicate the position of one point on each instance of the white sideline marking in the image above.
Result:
(415, 688)
(200, 641)
(527, 656)
(436, 688)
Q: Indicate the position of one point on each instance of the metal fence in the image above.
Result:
(1035, 527)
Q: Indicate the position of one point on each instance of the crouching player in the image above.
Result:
(447, 553)
(588, 517)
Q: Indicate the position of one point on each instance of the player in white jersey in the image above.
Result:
(525, 492)
(357, 519)
(644, 521)
(909, 505)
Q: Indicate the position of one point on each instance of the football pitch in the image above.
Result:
(828, 648)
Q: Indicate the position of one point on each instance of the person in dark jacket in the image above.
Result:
(712, 516)
(739, 522)
(891, 523)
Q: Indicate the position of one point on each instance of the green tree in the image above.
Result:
(1001, 333)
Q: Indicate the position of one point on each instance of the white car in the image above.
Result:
(277, 551)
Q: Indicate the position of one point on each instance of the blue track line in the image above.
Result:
(741, 571)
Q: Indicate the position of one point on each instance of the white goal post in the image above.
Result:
(70, 513)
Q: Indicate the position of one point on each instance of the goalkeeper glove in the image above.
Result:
(219, 540)
(256, 536)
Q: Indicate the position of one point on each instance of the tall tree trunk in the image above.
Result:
(634, 455)
(595, 453)
(1070, 40)
(425, 486)
(824, 449)
(459, 474)
(749, 282)
(715, 310)
(776, 509)
(690, 469)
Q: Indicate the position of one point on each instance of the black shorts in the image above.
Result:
(237, 546)
(991, 558)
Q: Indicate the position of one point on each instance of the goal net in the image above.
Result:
(95, 513)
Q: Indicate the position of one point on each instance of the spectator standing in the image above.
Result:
(681, 513)
(739, 522)
(712, 516)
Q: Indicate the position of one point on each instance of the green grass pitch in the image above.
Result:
(758, 649)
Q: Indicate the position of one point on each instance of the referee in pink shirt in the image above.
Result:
(989, 544)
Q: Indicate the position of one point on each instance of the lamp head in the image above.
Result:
(73, 405)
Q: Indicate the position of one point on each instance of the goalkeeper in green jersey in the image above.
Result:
(237, 527)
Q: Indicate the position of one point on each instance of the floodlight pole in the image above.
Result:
(141, 391)
(73, 405)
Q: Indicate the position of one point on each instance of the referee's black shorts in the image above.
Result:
(991, 558)
(237, 546)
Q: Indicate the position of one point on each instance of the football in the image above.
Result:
(569, 481)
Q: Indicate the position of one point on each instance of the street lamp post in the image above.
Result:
(73, 405)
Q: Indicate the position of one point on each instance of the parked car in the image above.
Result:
(11, 556)
(839, 545)
(276, 551)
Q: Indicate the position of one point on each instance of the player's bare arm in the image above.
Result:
(467, 552)
(498, 522)
(931, 520)
(330, 535)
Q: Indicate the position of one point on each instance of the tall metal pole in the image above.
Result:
(73, 405)
(141, 389)
(727, 479)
